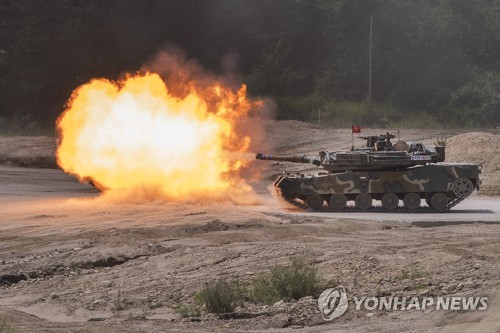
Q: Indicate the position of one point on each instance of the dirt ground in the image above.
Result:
(72, 263)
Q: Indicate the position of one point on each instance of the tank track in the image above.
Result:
(298, 203)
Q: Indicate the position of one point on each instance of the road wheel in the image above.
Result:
(363, 201)
(411, 201)
(390, 201)
(338, 201)
(463, 187)
(439, 201)
(315, 201)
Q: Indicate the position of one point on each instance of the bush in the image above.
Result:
(341, 114)
(187, 311)
(221, 296)
(294, 281)
(303, 108)
(419, 120)
(476, 102)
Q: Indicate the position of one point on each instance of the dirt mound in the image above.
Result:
(482, 148)
(28, 151)
(475, 147)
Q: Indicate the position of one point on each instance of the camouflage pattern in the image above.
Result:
(420, 180)
(379, 171)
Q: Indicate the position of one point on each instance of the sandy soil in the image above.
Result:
(67, 259)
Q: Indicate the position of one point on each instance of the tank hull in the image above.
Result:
(442, 186)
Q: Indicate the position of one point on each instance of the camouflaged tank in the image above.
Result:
(406, 172)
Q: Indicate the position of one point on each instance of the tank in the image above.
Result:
(380, 175)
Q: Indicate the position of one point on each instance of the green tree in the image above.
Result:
(273, 74)
(477, 102)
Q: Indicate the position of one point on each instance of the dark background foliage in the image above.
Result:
(437, 58)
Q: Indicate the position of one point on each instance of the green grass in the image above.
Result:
(331, 113)
(344, 114)
(412, 274)
(221, 296)
(294, 281)
(282, 282)
(419, 286)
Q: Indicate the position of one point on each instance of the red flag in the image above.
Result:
(356, 129)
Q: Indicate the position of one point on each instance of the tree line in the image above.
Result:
(439, 59)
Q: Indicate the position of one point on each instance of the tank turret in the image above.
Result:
(379, 154)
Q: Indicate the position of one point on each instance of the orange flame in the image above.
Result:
(134, 139)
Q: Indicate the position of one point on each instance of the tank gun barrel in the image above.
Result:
(294, 158)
